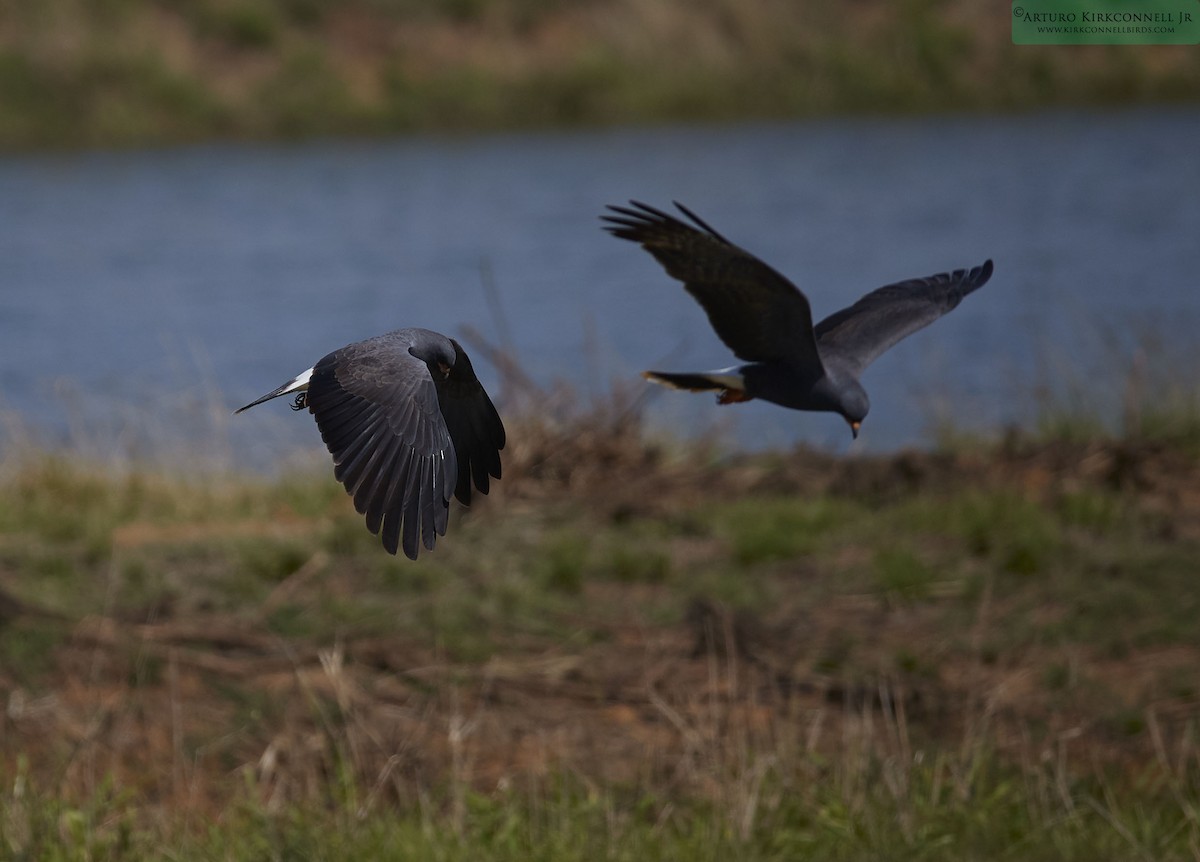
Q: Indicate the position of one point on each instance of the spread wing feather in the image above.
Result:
(854, 337)
(759, 314)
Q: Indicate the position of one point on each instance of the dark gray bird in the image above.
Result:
(408, 424)
(766, 321)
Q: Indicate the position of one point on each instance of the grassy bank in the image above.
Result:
(124, 72)
(626, 652)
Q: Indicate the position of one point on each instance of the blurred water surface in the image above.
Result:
(139, 287)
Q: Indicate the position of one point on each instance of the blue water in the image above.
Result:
(145, 294)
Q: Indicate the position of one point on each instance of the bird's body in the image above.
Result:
(767, 321)
(408, 425)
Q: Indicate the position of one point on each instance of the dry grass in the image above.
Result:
(769, 653)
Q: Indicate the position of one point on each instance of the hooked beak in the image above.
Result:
(854, 426)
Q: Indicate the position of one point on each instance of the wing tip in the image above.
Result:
(631, 222)
(979, 276)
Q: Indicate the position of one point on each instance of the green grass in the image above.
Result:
(901, 575)
(981, 655)
(940, 810)
(764, 529)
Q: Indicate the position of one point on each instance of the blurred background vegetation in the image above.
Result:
(79, 73)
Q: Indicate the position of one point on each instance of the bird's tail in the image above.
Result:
(728, 382)
(296, 384)
(699, 382)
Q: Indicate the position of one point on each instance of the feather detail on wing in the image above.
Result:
(758, 313)
(854, 337)
(474, 426)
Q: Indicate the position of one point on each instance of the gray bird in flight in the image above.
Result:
(408, 424)
(766, 321)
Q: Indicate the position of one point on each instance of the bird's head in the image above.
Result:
(854, 407)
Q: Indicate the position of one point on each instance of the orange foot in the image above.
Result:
(732, 396)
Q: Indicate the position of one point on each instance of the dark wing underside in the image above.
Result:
(474, 426)
(757, 312)
(854, 337)
(379, 413)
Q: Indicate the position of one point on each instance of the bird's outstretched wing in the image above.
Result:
(854, 337)
(757, 312)
(397, 448)
(473, 423)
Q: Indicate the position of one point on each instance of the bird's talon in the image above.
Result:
(301, 401)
